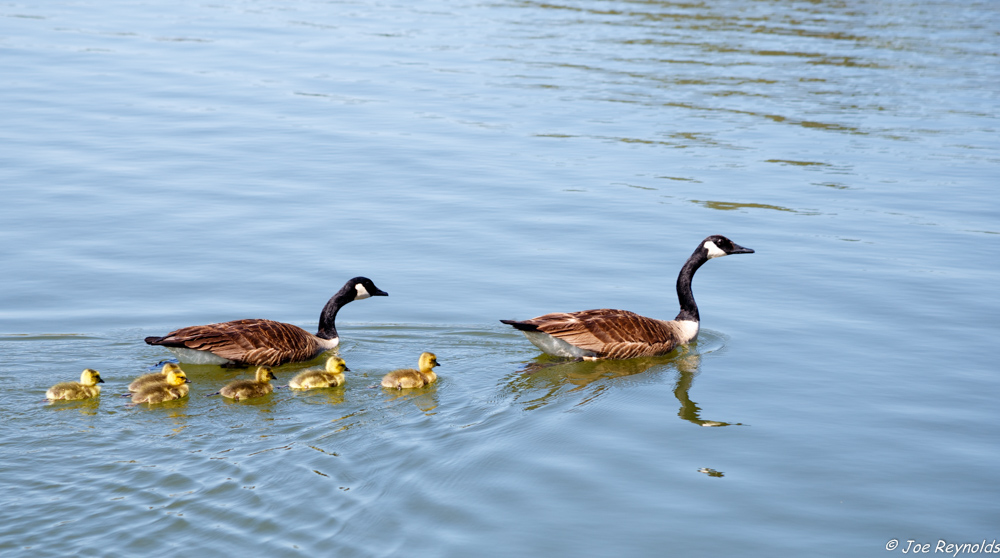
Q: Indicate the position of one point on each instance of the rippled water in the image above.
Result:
(171, 164)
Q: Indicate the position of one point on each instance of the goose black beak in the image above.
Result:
(737, 249)
(380, 292)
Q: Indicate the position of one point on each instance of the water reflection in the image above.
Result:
(266, 401)
(345, 423)
(84, 406)
(544, 382)
(732, 206)
(687, 366)
(324, 396)
(175, 408)
(425, 398)
(752, 61)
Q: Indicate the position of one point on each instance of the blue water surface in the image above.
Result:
(171, 164)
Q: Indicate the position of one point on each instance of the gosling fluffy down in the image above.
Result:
(410, 378)
(331, 376)
(154, 378)
(247, 389)
(84, 389)
(174, 386)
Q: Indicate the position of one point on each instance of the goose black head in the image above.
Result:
(718, 246)
(363, 288)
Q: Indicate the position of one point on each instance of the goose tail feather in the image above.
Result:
(521, 326)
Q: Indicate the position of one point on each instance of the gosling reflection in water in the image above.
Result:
(583, 373)
(426, 399)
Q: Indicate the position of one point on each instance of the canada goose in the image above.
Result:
(332, 376)
(154, 378)
(263, 342)
(246, 389)
(173, 386)
(84, 389)
(619, 334)
(410, 378)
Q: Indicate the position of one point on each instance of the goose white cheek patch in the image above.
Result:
(713, 250)
(362, 292)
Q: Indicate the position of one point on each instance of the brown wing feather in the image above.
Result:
(256, 342)
(610, 333)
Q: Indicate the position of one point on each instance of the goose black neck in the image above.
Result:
(328, 317)
(689, 309)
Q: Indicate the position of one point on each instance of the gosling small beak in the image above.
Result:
(346, 369)
(100, 380)
(187, 381)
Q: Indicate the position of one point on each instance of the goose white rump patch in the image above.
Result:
(555, 346)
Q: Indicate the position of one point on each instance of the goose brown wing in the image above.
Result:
(609, 333)
(257, 342)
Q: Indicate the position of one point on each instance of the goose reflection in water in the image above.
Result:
(584, 375)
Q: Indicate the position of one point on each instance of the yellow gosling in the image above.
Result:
(332, 376)
(154, 378)
(84, 389)
(174, 386)
(247, 389)
(410, 378)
